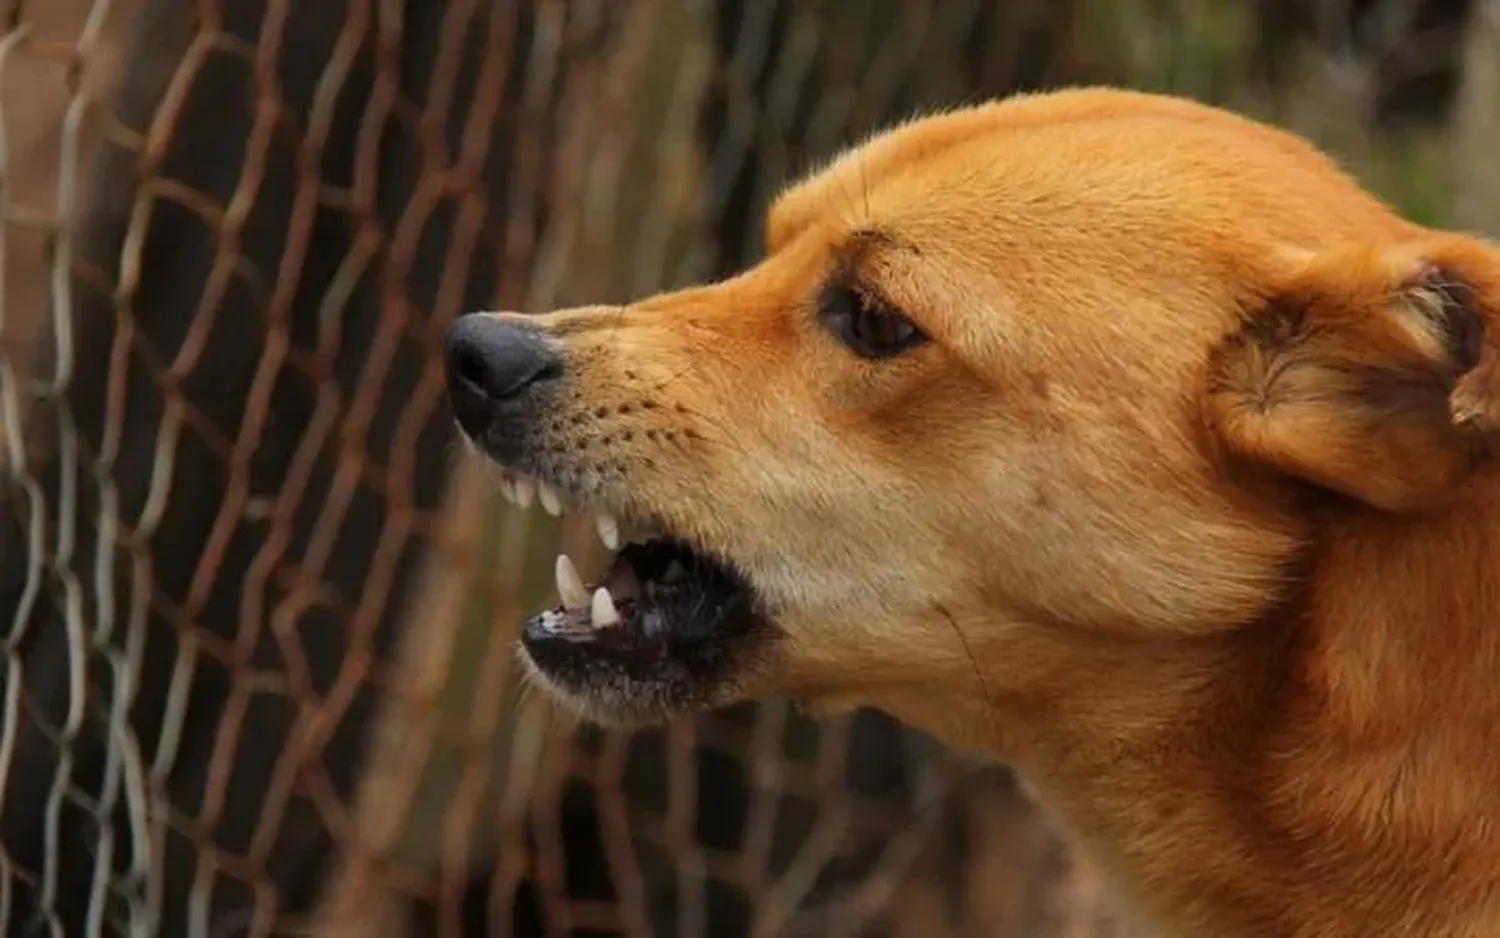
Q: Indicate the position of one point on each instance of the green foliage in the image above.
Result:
(1204, 50)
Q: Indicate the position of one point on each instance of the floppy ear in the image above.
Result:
(1372, 372)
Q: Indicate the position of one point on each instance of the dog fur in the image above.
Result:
(1186, 509)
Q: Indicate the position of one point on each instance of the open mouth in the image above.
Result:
(663, 623)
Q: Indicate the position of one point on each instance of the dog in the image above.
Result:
(1114, 436)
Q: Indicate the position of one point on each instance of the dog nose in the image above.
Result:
(491, 361)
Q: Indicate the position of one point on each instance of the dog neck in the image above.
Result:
(1342, 745)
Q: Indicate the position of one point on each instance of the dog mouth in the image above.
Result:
(655, 594)
(663, 628)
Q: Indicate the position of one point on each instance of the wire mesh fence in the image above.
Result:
(259, 674)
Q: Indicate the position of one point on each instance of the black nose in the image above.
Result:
(490, 362)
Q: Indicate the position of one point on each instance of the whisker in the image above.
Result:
(984, 689)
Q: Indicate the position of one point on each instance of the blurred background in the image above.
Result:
(260, 612)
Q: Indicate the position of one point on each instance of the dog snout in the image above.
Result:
(490, 363)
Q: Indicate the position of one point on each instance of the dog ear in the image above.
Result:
(1371, 372)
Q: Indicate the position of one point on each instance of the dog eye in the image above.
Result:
(867, 326)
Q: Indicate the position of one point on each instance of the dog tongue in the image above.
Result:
(621, 581)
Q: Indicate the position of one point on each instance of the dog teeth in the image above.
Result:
(522, 491)
(570, 586)
(603, 612)
(551, 502)
(609, 530)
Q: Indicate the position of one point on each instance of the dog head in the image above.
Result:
(1055, 372)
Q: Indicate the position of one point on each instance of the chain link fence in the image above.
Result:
(259, 615)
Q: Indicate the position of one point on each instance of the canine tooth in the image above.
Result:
(570, 586)
(508, 488)
(609, 530)
(525, 489)
(603, 609)
(547, 495)
(674, 572)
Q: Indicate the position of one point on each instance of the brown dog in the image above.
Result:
(1115, 436)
